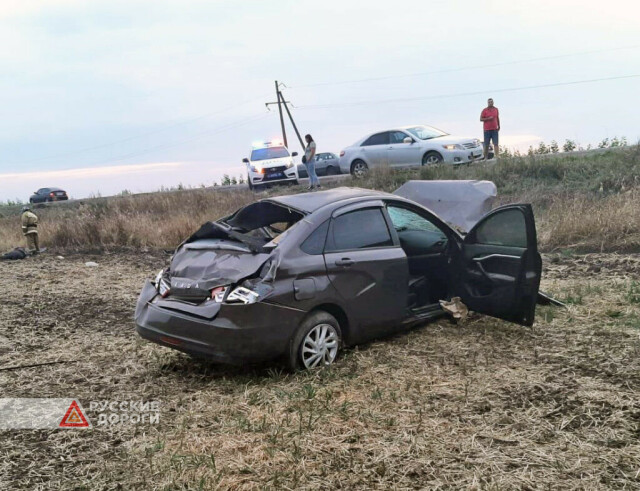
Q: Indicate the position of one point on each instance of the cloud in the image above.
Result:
(109, 180)
(91, 172)
(519, 142)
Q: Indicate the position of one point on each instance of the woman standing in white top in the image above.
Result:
(310, 162)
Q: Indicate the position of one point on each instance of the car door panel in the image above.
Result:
(367, 268)
(400, 154)
(500, 267)
(373, 284)
(374, 150)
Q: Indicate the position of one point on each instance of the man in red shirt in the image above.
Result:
(490, 118)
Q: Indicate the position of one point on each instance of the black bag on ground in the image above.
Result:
(17, 253)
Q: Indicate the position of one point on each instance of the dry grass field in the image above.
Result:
(585, 202)
(483, 404)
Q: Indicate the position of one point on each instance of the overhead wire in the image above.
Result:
(215, 131)
(463, 68)
(148, 133)
(462, 94)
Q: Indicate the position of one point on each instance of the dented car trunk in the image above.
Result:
(227, 252)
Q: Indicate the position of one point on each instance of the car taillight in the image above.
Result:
(341, 153)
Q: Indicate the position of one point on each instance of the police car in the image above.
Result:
(270, 162)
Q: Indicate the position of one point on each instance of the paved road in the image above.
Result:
(303, 181)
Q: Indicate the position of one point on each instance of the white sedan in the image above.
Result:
(408, 146)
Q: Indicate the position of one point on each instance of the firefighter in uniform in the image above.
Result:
(30, 229)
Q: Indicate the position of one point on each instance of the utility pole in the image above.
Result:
(282, 102)
(284, 134)
(292, 121)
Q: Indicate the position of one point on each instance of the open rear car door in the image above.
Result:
(500, 266)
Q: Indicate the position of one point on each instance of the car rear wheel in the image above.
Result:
(316, 342)
(331, 170)
(431, 158)
(359, 168)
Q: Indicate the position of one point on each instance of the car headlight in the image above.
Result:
(453, 147)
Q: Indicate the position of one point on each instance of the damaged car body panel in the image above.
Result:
(297, 276)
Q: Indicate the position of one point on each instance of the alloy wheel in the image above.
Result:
(320, 346)
(359, 169)
(431, 159)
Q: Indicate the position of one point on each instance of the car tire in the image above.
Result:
(304, 342)
(432, 158)
(332, 171)
(31, 200)
(359, 168)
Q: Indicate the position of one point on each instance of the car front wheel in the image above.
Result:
(359, 168)
(431, 158)
(316, 342)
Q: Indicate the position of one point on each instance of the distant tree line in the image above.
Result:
(567, 146)
(230, 180)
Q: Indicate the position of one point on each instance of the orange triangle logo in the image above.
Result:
(74, 417)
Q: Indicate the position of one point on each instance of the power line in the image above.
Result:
(153, 132)
(462, 94)
(459, 69)
(215, 131)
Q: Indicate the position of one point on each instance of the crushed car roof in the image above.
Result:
(310, 202)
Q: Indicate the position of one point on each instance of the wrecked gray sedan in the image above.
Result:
(300, 276)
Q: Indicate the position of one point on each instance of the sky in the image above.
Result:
(104, 96)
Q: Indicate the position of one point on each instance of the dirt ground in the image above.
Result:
(483, 404)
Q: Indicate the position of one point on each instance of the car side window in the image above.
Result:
(360, 229)
(417, 234)
(405, 219)
(377, 139)
(506, 228)
(397, 137)
(314, 244)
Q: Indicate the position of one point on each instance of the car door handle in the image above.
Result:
(345, 261)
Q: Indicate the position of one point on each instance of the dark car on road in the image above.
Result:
(44, 195)
(327, 164)
(300, 276)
